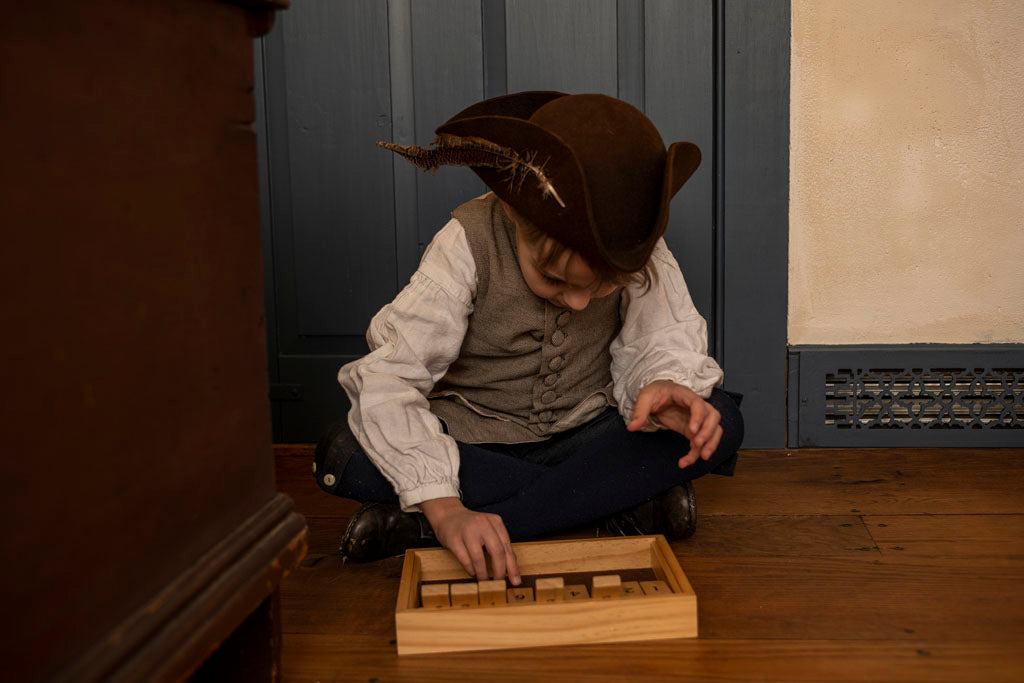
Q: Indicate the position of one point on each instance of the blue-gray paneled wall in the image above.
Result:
(345, 222)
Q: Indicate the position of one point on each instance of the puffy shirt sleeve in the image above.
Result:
(662, 337)
(412, 342)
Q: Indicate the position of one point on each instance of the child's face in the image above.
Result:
(568, 282)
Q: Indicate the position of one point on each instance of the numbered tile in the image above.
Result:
(520, 596)
(605, 586)
(492, 593)
(435, 595)
(655, 588)
(575, 592)
(465, 595)
(549, 589)
(631, 589)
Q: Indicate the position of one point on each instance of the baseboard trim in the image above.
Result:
(173, 633)
(928, 395)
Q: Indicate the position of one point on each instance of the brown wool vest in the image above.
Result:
(527, 369)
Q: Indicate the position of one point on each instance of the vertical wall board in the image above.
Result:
(338, 103)
(492, 24)
(756, 213)
(447, 76)
(278, 182)
(322, 401)
(630, 51)
(793, 400)
(557, 45)
(679, 100)
(266, 234)
(403, 132)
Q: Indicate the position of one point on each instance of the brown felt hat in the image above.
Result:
(590, 171)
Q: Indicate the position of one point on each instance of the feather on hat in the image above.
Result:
(590, 171)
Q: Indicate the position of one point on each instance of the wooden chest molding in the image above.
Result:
(142, 521)
(185, 622)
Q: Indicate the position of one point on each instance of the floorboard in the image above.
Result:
(868, 564)
(676, 660)
(869, 481)
(993, 540)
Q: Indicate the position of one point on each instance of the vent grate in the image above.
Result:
(924, 398)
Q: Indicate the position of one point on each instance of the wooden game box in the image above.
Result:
(650, 617)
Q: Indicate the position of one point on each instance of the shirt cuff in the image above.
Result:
(410, 499)
(699, 385)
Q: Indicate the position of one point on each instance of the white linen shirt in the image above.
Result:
(417, 336)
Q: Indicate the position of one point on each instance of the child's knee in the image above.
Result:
(732, 418)
(332, 454)
(731, 422)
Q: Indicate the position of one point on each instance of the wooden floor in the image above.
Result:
(808, 565)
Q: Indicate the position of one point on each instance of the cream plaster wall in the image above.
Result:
(907, 171)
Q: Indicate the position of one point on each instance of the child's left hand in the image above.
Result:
(680, 409)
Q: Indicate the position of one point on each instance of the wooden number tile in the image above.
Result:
(631, 589)
(576, 592)
(435, 595)
(606, 586)
(655, 588)
(549, 589)
(520, 596)
(492, 593)
(465, 595)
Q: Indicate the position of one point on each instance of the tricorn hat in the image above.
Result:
(590, 171)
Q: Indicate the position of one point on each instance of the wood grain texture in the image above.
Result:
(778, 536)
(842, 598)
(989, 539)
(182, 625)
(869, 481)
(793, 585)
(669, 660)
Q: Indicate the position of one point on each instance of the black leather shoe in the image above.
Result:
(379, 530)
(675, 512)
(672, 514)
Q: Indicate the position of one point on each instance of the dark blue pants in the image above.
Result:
(584, 474)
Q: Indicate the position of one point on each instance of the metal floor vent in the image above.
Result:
(969, 395)
(934, 398)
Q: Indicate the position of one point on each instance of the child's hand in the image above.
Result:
(467, 534)
(681, 410)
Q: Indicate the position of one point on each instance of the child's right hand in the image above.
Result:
(467, 534)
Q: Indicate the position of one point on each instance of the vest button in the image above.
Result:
(555, 363)
(563, 318)
(545, 416)
(548, 381)
(548, 396)
(557, 337)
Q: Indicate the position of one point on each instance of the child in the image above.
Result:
(545, 366)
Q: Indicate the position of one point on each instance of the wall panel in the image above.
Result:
(336, 76)
(349, 221)
(562, 45)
